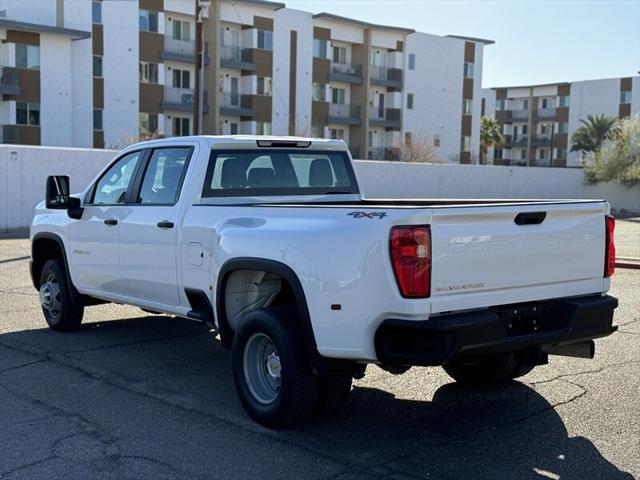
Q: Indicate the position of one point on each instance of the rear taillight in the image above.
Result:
(411, 259)
(610, 248)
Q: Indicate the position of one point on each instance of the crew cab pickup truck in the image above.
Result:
(270, 242)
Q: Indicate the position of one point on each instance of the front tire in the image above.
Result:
(62, 312)
(486, 370)
(271, 370)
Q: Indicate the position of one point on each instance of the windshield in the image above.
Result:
(278, 172)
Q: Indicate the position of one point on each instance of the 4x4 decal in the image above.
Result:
(360, 214)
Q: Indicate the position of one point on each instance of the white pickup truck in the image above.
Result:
(269, 241)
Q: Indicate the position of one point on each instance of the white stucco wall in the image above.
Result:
(55, 90)
(436, 84)
(23, 171)
(120, 71)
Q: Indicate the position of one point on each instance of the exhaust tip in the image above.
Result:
(586, 349)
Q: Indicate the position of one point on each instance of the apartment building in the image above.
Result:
(122, 70)
(539, 120)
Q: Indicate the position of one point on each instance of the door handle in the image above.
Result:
(111, 221)
(165, 224)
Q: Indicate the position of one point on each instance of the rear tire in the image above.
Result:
(486, 370)
(271, 371)
(333, 393)
(62, 312)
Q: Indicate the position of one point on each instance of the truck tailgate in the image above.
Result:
(482, 257)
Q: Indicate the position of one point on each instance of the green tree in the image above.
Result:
(593, 132)
(618, 158)
(490, 136)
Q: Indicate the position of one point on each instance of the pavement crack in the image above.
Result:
(584, 372)
(18, 367)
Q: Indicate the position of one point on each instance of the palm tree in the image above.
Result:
(593, 132)
(490, 136)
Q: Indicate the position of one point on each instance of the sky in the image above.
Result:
(537, 41)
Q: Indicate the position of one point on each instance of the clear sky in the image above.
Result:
(537, 41)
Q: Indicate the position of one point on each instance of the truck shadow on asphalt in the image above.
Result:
(511, 431)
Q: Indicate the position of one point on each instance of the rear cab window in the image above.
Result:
(278, 172)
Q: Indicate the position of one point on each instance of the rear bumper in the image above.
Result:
(507, 328)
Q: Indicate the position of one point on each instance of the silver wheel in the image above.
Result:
(262, 368)
(50, 296)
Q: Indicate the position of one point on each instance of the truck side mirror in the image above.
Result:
(57, 192)
(57, 196)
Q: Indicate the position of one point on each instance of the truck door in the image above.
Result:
(148, 236)
(94, 238)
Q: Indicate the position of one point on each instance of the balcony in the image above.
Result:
(388, 118)
(9, 82)
(545, 114)
(178, 50)
(236, 104)
(519, 141)
(9, 134)
(386, 76)
(344, 114)
(383, 153)
(178, 99)
(518, 115)
(346, 72)
(541, 140)
(234, 56)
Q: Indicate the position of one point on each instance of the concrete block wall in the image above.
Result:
(23, 171)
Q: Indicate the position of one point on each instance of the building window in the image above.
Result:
(148, 21)
(410, 101)
(523, 153)
(233, 128)
(468, 70)
(562, 153)
(319, 48)
(264, 86)
(97, 119)
(436, 139)
(339, 54)
(265, 40)
(467, 107)
(466, 143)
(96, 12)
(263, 128)
(27, 56)
(148, 72)
(28, 113)
(319, 92)
(148, 123)
(337, 133)
(412, 61)
(625, 97)
(181, 126)
(501, 104)
(181, 78)
(181, 30)
(338, 96)
(97, 66)
(542, 154)
(563, 101)
(563, 127)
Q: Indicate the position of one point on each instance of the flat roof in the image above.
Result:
(473, 39)
(338, 18)
(38, 28)
(264, 3)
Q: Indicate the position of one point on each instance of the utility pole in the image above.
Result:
(202, 12)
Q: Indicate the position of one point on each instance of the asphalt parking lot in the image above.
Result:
(137, 396)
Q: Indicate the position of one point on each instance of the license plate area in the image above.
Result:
(536, 318)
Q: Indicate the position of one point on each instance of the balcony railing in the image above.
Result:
(9, 82)
(541, 140)
(180, 50)
(382, 153)
(180, 99)
(386, 76)
(344, 113)
(346, 72)
(519, 114)
(231, 52)
(548, 113)
(235, 56)
(9, 134)
(388, 117)
(236, 104)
